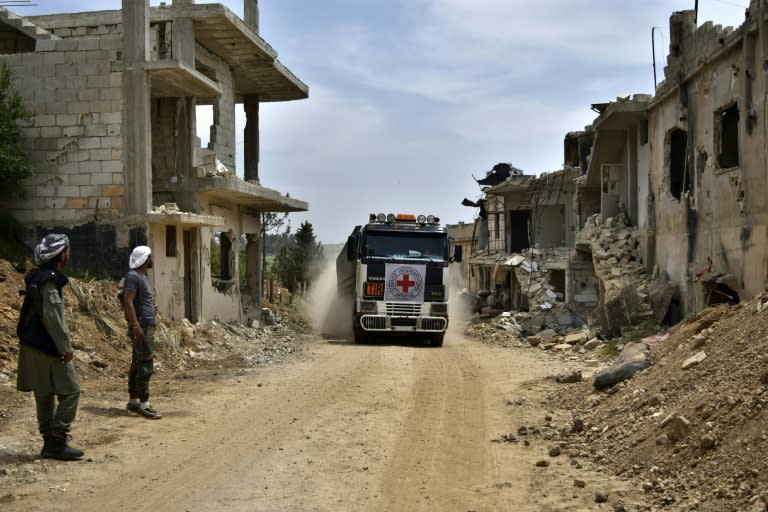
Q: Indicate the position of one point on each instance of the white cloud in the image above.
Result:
(404, 110)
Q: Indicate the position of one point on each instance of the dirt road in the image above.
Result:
(380, 427)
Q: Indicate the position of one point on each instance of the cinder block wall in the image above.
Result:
(222, 139)
(73, 90)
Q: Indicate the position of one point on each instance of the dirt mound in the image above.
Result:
(103, 352)
(692, 429)
(692, 426)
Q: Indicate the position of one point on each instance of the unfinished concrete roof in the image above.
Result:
(616, 115)
(511, 184)
(226, 190)
(12, 23)
(621, 114)
(254, 62)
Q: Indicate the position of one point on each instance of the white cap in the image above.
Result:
(139, 256)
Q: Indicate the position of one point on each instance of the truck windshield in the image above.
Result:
(426, 246)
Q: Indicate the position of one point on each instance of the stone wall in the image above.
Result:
(691, 46)
(724, 217)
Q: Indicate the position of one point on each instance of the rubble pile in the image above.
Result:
(533, 291)
(689, 428)
(508, 330)
(212, 167)
(694, 424)
(615, 254)
(166, 208)
(629, 296)
(99, 333)
(533, 269)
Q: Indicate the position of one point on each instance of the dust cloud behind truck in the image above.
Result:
(392, 274)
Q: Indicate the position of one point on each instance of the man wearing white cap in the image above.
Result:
(45, 355)
(139, 307)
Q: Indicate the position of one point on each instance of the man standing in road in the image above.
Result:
(139, 307)
(45, 355)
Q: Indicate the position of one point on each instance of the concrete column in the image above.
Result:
(251, 138)
(251, 14)
(183, 51)
(253, 270)
(186, 131)
(137, 130)
(183, 47)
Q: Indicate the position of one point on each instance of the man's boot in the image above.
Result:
(55, 447)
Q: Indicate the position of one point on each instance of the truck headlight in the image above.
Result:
(367, 306)
(440, 309)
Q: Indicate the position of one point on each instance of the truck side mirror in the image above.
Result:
(457, 253)
(351, 253)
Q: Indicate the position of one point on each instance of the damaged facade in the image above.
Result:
(114, 147)
(667, 197)
(709, 159)
(520, 259)
(460, 235)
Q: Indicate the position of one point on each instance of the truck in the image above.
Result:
(394, 273)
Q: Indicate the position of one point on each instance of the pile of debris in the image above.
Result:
(629, 295)
(99, 332)
(520, 329)
(615, 255)
(533, 290)
(533, 269)
(692, 426)
(212, 167)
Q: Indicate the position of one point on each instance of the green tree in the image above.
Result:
(14, 166)
(296, 265)
(309, 252)
(271, 223)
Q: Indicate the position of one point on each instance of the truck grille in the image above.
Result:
(403, 308)
(374, 323)
(433, 323)
(420, 324)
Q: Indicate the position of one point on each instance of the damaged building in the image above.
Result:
(520, 256)
(666, 204)
(708, 159)
(113, 143)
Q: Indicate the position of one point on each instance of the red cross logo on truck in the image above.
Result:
(405, 283)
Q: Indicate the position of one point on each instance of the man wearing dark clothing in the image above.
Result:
(139, 309)
(45, 355)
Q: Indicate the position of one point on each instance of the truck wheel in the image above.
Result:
(437, 339)
(358, 333)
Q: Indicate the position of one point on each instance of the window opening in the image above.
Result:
(718, 293)
(557, 280)
(170, 241)
(729, 136)
(519, 238)
(679, 174)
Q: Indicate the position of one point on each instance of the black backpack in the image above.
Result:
(121, 294)
(33, 300)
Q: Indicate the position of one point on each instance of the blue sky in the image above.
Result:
(411, 98)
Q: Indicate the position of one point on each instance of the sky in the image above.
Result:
(410, 100)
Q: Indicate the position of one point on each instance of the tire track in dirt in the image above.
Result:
(384, 428)
(441, 456)
(224, 448)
